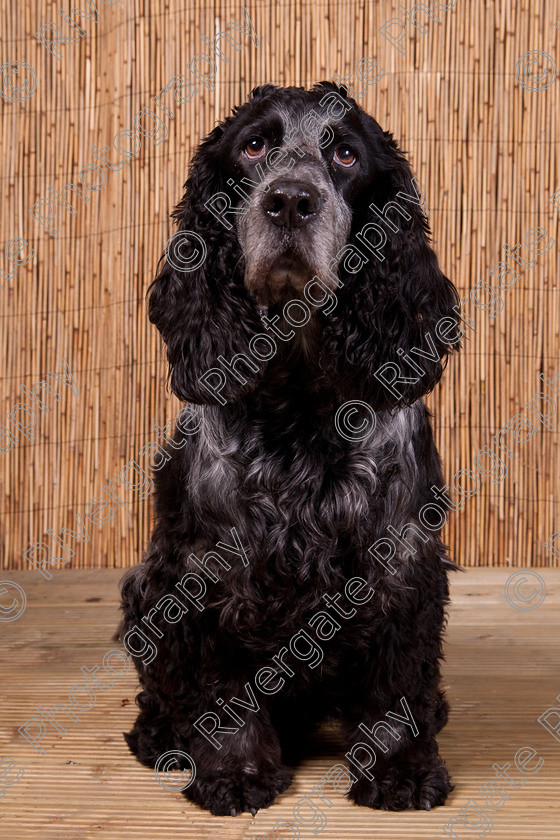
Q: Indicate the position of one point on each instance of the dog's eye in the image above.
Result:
(345, 156)
(255, 147)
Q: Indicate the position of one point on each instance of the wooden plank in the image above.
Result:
(501, 674)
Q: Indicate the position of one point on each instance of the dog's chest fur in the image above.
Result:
(285, 474)
(306, 502)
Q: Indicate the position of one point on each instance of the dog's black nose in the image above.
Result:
(291, 204)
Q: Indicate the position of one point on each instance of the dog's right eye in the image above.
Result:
(255, 147)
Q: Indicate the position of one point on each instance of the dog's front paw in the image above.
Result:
(229, 794)
(399, 789)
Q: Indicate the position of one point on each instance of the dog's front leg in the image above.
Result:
(394, 715)
(396, 764)
(237, 754)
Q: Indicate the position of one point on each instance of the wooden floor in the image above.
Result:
(502, 673)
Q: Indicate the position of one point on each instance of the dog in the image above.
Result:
(305, 317)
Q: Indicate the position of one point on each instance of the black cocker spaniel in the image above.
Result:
(295, 571)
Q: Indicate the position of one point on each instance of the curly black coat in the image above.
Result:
(275, 195)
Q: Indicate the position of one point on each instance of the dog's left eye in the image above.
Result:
(345, 156)
(255, 147)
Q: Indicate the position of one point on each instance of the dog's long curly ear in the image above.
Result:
(198, 300)
(387, 340)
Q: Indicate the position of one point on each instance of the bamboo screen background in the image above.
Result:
(483, 145)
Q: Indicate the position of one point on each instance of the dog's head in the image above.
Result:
(300, 156)
(301, 195)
